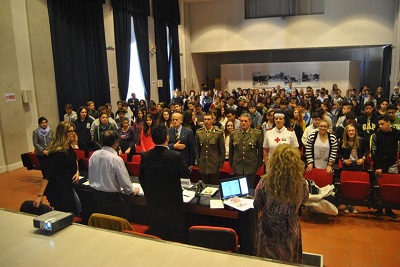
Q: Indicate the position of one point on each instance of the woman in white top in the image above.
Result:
(227, 136)
(278, 135)
(321, 148)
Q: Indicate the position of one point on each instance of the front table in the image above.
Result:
(197, 212)
(78, 245)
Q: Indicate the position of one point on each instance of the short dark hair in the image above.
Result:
(120, 111)
(159, 134)
(351, 116)
(68, 106)
(384, 117)
(124, 119)
(391, 107)
(384, 100)
(230, 111)
(370, 104)
(42, 119)
(317, 114)
(302, 104)
(110, 137)
(347, 104)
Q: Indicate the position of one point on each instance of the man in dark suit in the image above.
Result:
(182, 140)
(133, 103)
(159, 176)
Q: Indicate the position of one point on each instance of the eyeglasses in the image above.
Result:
(71, 131)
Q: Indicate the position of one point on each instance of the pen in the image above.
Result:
(186, 196)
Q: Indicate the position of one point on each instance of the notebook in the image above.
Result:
(233, 187)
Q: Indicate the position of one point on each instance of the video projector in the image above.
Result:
(53, 220)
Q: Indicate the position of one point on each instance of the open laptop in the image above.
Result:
(233, 187)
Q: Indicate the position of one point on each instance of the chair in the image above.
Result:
(27, 207)
(219, 238)
(86, 160)
(133, 168)
(388, 195)
(259, 173)
(124, 157)
(115, 223)
(195, 175)
(354, 188)
(138, 149)
(136, 158)
(33, 157)
(80, 154)
(227, 168)
(320, 177)
(141, 234)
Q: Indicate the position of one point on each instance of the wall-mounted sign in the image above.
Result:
(9, 97)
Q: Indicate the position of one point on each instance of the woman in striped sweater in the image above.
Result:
(321, 149)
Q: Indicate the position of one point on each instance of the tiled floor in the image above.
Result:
(355, 240)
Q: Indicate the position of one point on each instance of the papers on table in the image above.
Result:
(138, 186)
(81, 177)
(216, 204)
(86, 183)
(188, 195)
(239, 203)
(209, 191)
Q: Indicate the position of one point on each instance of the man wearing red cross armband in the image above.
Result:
(278, 135)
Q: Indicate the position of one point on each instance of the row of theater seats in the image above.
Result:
(361, 188)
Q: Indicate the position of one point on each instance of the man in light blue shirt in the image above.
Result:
(107, 175)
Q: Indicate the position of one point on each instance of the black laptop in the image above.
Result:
(233, 187)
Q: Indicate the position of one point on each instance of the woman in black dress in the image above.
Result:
(62, 171)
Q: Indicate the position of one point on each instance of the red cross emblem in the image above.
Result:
(277, 139)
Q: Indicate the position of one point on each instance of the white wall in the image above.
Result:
(339, 72)
(220, 26)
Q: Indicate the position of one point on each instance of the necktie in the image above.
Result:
(176, 135)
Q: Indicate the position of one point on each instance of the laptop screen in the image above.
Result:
(233, 187)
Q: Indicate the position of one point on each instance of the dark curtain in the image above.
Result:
(386, 70)
(79, 52)
(166, 14)
(123, 11)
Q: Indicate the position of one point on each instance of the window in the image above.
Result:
(136, 84)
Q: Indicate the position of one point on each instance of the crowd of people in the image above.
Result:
(306, 128)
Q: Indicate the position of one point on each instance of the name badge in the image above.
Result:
(185, 183)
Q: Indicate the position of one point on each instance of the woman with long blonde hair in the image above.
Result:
(352, 153)
(278, 197)
(62, 171)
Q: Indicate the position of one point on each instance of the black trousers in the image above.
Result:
(210, 178)
(111, 204)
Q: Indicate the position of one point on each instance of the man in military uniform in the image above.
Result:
(245, 150)
(210, 152)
